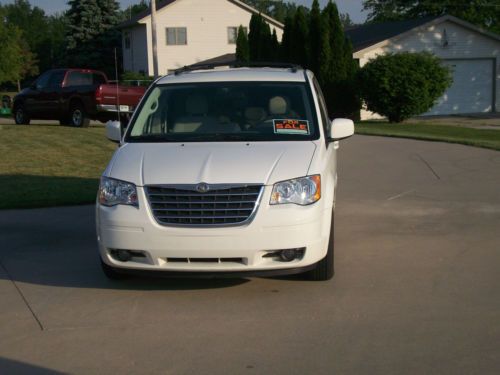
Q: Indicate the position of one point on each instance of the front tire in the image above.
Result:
(325, 268)
(111, 272)
(78, 118)
(20, 116)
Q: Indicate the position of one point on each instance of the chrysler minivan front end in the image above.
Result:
(228, 172)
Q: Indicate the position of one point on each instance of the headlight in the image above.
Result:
(113, 192)
(303, 191)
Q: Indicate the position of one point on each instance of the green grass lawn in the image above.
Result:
(487, 138)
(45, 165)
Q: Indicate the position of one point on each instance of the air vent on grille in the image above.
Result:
(220, 205)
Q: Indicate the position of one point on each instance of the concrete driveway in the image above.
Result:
(416, 291)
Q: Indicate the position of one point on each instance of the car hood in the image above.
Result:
(212, 163)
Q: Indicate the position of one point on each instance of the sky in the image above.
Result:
(353, 7)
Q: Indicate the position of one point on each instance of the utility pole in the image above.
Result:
(155, 44)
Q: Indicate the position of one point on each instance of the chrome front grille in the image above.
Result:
(220, 205)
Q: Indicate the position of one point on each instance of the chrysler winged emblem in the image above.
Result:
(202, 187)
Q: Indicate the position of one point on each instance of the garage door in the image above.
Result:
(471, 91)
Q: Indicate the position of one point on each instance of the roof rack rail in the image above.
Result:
(238, 64)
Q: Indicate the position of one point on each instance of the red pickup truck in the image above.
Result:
(74, 97)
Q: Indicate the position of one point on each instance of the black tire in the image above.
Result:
(78, 118)
(111, 272)
(325, 268)
(20, 116)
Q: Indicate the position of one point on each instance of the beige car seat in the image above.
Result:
(196, 109)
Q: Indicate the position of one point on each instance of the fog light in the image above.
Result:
(288, 255)
(123, 255)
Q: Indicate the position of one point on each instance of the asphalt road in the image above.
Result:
(416, 291)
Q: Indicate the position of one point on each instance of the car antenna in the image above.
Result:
(117, 91)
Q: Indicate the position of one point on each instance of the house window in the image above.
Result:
(232, 34)
(127, 40)
(176, 36)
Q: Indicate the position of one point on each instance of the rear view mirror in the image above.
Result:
(113, 131)
(342, 128)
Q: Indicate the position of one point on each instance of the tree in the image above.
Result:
(316, 37)
(29, 63)
(278, 9)
(483, 13)
(338, 77)
(11, 56)
(55, 47)
(260, 39)
(34, 40)
(92, 35)
(242, 47)
(337, 42)
(134, 9)
(275, 47)
(345, 20)
(299, 52)
(402, 85)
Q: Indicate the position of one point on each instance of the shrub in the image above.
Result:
(140, 79)
(402, 85)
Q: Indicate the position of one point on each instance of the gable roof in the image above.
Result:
(365, 36)
(163, 3)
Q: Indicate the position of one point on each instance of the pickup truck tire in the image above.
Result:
(111, 273)
(325, 268)
(77, 116)
(20, 116)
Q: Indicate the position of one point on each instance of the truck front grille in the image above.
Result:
(220, 205)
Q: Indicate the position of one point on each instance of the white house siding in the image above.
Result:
(477, 55)
(135, 58)
(206, 23)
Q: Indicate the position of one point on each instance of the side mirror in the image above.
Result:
(342, 128)
(113, 131)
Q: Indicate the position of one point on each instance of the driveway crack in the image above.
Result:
(40, 325)
(428, 166)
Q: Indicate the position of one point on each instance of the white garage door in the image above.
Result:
(471, 91)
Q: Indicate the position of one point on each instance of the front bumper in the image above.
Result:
(224, 251)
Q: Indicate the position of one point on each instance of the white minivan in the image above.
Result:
(223, 172)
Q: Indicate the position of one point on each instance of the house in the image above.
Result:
(472, 54)
(188, 31)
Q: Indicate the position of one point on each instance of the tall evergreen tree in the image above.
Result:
(242, 47)
(287, 41)
(260, 39)
(300, 38)
(338, 78)
(275, 47)
(337, 42)
(316, 37)
(92, 34)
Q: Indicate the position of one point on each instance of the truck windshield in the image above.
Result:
(222, 111)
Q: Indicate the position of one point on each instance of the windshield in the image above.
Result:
(225, 111)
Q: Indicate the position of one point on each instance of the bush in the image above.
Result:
(402, 85)
(136, 79)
